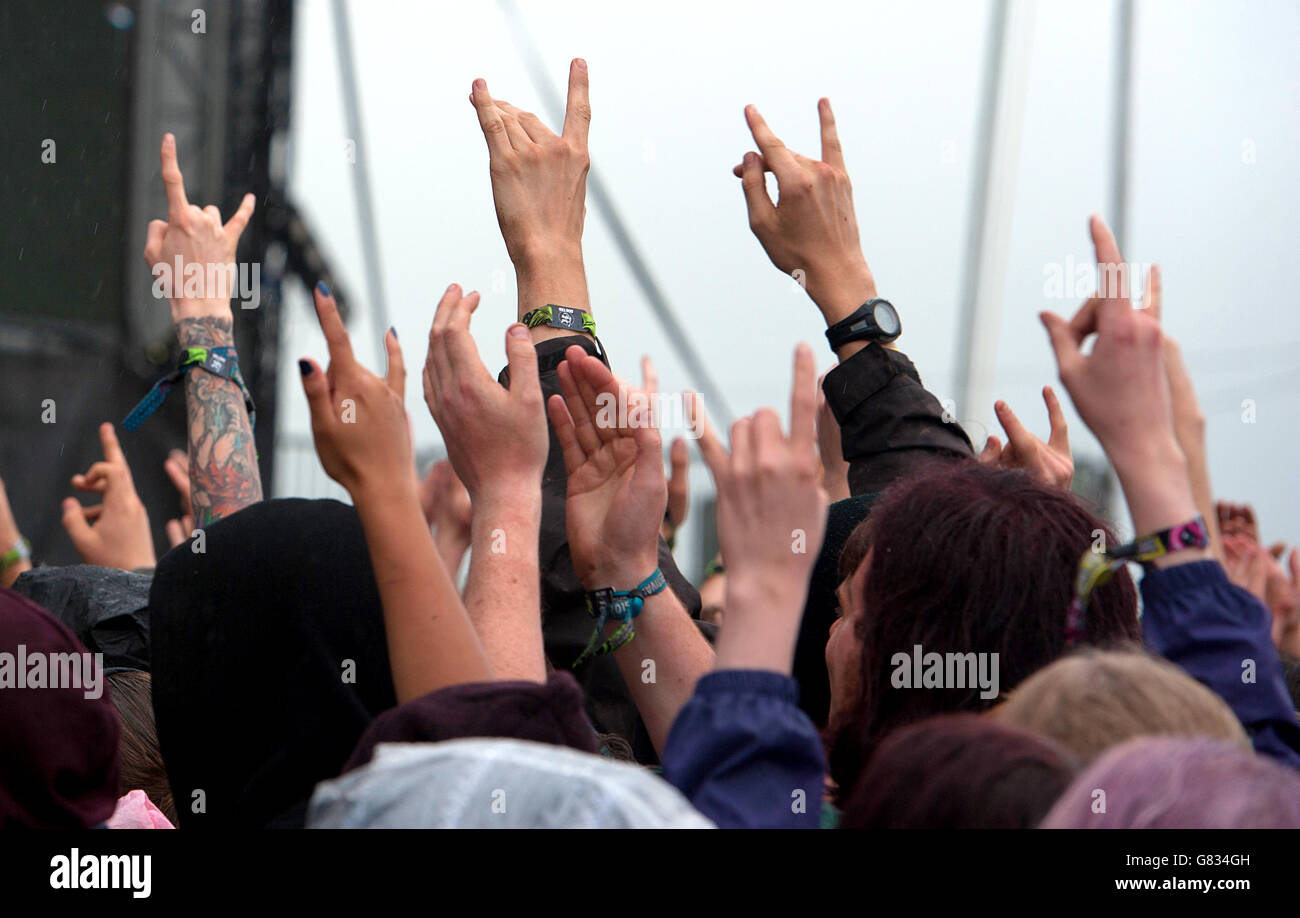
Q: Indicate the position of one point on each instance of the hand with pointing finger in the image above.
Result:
(539, 185)
(195, 235)
(1050, 462)
(813, 227)
(116, 532)
(358, 419)
(771, 521)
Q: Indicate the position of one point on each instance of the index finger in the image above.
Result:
(112, 449)
(1017, 434)
(1153, 295)
(577, 111)
(649, 378)
(173, 181)
(803, 397)
(1059, 439)
(775, 153)
(832, 152)
(331, 323)
(715, 455)
(1112, 280)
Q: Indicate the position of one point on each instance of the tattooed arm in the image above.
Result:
(223, 462)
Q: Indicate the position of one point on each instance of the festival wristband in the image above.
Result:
(219, 361)
(1097, 567)
(22, 551)
(609, 605)
(565, 317)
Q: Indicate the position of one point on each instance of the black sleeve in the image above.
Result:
(888, 420)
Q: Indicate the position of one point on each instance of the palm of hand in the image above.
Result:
(612, 515)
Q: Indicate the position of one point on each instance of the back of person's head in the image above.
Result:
(269, 661)
(968, 559)
(142, 765)
(959, 771)
(1174, 783)
(1095, 699)
(58, 732)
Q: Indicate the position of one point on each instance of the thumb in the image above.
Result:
(752, 181)
(522, 358)
(1063, 343)
(77, 528)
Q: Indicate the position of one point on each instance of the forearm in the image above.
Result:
(503, 594)
(1189, 428)
(431, 642)
(662, 663)
(1158, 491)
(762, 624)
(224, 477)
(551, 275)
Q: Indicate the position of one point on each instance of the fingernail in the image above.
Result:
(581, 64)
(304, 367)
(518, 330)
(323, 288)
(393, 331)
(480, 83)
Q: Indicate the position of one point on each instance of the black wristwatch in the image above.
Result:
(874, 320)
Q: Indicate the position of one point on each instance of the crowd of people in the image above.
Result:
(899, 630)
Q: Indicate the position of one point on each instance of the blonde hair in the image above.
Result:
(1096, 699)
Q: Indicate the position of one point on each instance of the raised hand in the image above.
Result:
(771, 520)
(813, 227)
(177, 467)
(358, 419)
(1254, 568)
(114, 533)
(197, 236)
(539, 185)
(1121, 392)
(448, 511)
(224, 476)
(679, 461)
(496, 438)
(830, 448)
(1050, 462)
(617, 493)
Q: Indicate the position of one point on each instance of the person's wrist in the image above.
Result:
(620, 574)
(546, 253)
(838, 290)
(201, 309)
(371, 491)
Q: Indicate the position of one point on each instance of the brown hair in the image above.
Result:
(1095, 699)
(142, 764)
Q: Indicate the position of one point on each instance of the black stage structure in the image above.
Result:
(89, 88)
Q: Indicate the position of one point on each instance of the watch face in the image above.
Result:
(887, 318)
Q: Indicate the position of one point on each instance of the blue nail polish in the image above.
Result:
(323, 288)
(393, 329)
(304, 367)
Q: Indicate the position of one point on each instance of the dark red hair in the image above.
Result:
(967, 558)
(960, 771)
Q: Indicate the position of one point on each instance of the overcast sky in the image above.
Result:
(1215, 186)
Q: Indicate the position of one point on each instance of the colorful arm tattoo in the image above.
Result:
(224, 476)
